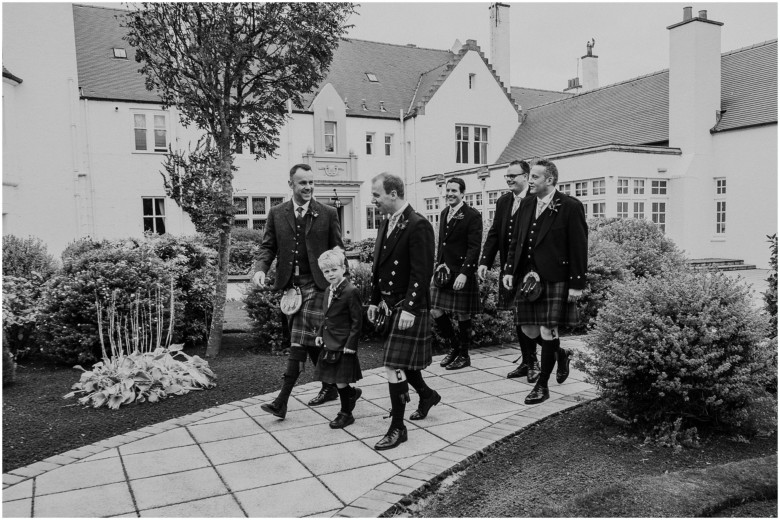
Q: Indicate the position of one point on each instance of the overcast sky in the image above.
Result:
(548, 38)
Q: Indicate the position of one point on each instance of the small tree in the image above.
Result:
(229, 68)
(770, 296)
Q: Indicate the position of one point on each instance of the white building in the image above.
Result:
(84, 140)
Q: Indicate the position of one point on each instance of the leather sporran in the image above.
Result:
(291, 301)
(442, 277)
(384, 320)
(332, 357)
(530, 288)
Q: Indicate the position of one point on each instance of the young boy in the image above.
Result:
(339, 334)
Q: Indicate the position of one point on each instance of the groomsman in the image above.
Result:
(499, 240)
(402, 270)
(460, 237)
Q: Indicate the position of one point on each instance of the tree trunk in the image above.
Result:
(217, 319)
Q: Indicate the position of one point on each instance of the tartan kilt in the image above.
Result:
(305, 322)
(465, 301)
(552, 309)
(411, 348)
(506, 298)
(347, 370)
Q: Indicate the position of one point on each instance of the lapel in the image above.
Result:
(399, 229)
(549, 217)
(289, 212)
(313, 209)
(339, 290)
(450, 228)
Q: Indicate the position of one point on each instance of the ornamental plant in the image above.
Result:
(770, 296)
(683, 346)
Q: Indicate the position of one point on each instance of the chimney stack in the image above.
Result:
(590, 68)
(499, 42)
(687, 13)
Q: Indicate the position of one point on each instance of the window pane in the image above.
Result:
(159, 206)
(258, 224)
(149, 224)
(147, 207)
(258, 205)
(240, 203)
(241, 223)
(276, 200)
(160, 139)
(140, 139)
(160, 225)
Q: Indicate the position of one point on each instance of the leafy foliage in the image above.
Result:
(770, 296)
(365, 249)
(24, 257)
(682, 345)
(244, 245)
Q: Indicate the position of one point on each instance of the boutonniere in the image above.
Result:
(554, 205)
(314, 214)
(401, 224)
(458, 216)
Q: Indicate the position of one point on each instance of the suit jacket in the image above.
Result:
(560, 248)
(323, 232)
(499, 236)
(343, 320)
(460, 240)
(403, 262)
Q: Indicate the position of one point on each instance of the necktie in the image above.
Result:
(391, 225)
(516, 205)
(330, 296)
(539, 207)
(450, 214)
(300, 214)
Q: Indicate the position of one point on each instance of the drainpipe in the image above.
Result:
(403, 146)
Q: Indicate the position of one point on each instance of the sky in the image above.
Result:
(547, 39)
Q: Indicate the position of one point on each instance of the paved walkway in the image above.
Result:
(237, 461)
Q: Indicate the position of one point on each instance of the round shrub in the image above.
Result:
(681, 346)
(262, 305)
(244, 244)
(81, 246)
(25, 256)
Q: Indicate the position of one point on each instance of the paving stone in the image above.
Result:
(461, 393)
(105, 454)
(503, 387)
(224, 430)
(223, 506)
(171, 460)
(486, 362)
(108, 500)
(353, 512)
(294, 419)
(254, 473)
(315, 436)
(159, 441)
(457, 450)
(350, 484)
(408, 461)
(418, 474)
(369, 427)
(457, 430)
(19, 491)
(242, 448)
(175, 488)
(377, 507)
(406, 481)
(76, 476)
(226, 416)
(470, 377)
(290, 499)
(400, 489)
(35, 469)
(10, 480)
(443, 413)
(323, 514)
(340, 457)
(420, 442)
(498, 417)
(18, 508)
(487, 406)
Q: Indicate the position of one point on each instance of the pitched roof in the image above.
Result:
(636, 112)
(533, 97)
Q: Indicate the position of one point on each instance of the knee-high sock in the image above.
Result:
(345, 394)
(527, 346)
(398, 395)
(549, 349)
(465, 335)
(415, 379)
(444, 325)
(288, 380)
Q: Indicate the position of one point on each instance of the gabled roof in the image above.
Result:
(533, 97)
(636, 112)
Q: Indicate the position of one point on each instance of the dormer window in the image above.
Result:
(120, 53)
(372, 77)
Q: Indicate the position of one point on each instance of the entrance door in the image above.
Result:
(346, 217)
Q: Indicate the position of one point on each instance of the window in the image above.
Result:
(639, 210)
(157, 140)
(469, 199)
(472, 81)
(252, 210)
(565, 188)
(720, 206)
(119, 53)
(658, 187)
(599, 187)
(639, 186)
(154, 214)
(373, 79)
(462, 144)
(433, 219)
(580, 189)
(658, 215)
(720, 186)
(432, 204)
(622, 209)
(373, 218)
(370, 144)
(598, 209)
(388, 144)
(276, 200)
(480, 144)
(330, 136)
(622, 187)
(491, 215)
(493, 196)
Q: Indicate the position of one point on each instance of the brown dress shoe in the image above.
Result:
(425, 405)
(538, 395)
(534, 370)
(520, 371)
(392, 438)
(564, 358)
(274, 408)
(462, 361)
(327, 393)
(342, 420)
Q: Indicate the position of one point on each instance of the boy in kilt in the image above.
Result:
(402, 270)
(499, 241)
(460, 237)
(552, 241)
(297, 232)
(339, 334)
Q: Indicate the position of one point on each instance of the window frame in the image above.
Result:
(150, 133)
(155, 217)
(373, 217)
(370, 143)
(333, 137)
(249, 218)
(389, 144)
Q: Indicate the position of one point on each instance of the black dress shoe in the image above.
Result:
(534, 370)
(274, 408)
(425, 405)
(450, 357)
(342, 419)
(564, 358)
(538, 395)
(462, 361)
(354, 398)
(327, 393)
(392, 438)
(520, 371)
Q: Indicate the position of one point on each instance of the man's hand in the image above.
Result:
(481, 271)
(575, 295)
(373, 312)
(259, 279)
(406, 320)
(348, 351)
(507, 281)
(318, 341)
(460, 282)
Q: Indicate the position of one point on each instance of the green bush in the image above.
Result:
(770, 296)
(23, 257)
(81, 246)
(262, 305)
(244, 244)
(364, 248)
(682, 345)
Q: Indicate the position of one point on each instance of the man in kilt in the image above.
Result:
(297, 232)
(401, 277)
(552, 241)
(460, 237)
(499, 240)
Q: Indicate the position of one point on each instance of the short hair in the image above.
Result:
(460, 182)
(391, 182)
(550, 170)
(301, 166)
(524, 165)
(332, 258)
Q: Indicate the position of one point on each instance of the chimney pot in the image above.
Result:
(687, 13)
(703, 14)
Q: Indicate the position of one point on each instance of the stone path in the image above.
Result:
(237, 461)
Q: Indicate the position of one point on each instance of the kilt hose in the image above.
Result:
(305, 322)
(465, 301)
(552, 309)
(411, 348)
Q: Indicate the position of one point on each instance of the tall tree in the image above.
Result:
(229, 69)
